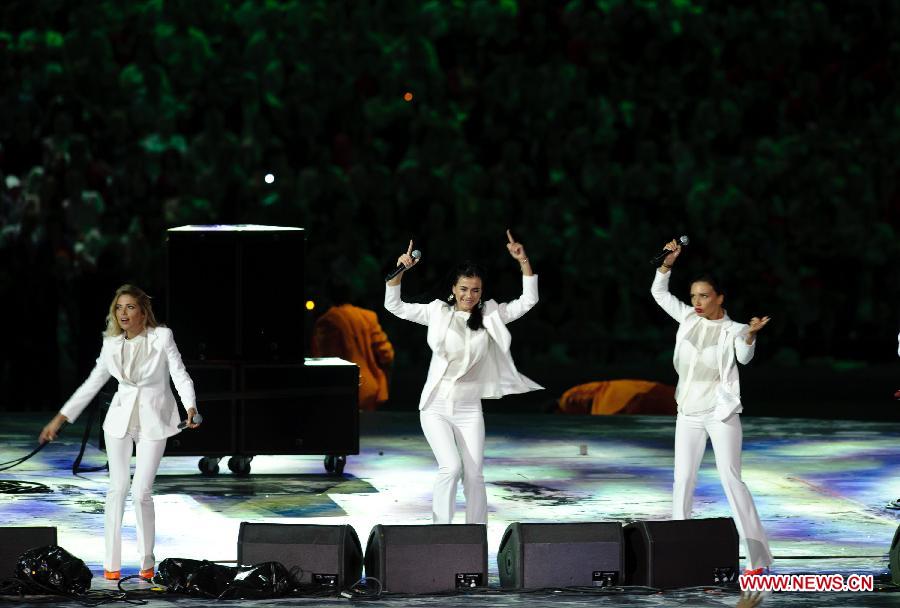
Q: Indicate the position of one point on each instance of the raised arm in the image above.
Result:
(674, 307)
(745, 343)
(744, 347)
(417, 313)
(510, 311)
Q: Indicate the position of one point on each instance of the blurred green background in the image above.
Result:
(597, 131)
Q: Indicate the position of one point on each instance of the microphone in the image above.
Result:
(683, 240)
(197, 419)
(416, 254)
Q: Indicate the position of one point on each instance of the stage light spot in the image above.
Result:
(408, 96)
(310, 305)
(270, 179)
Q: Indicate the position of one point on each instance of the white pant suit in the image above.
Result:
(455, 432)
(149, 453)
(466, 366)
(142, 415)
(708, 397)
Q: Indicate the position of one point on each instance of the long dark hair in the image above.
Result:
(469, 270)
(713, 281)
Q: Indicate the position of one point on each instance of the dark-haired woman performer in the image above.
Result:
(141, 355)
(470, 361)
(708, 347)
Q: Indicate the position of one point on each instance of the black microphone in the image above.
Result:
(197, 419)
(683, 240)
(416, 254)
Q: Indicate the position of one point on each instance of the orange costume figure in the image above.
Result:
(354, 334)
(623, 397)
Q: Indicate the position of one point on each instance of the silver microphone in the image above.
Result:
(416, 255)
(197, 419)
(683, 240)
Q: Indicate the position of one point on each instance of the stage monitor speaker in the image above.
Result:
(326, 556)
(536, 556)
(15, 540)
(895, 558)
(233, 275)
(428, 559)
(681, 553)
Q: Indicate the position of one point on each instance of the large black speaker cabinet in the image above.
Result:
(236, 292)
(273, 408)
(681, 553)
(428, 559)
(316, 406)
(328, 556)
(14, 541)
(216, 385)
(535, 556)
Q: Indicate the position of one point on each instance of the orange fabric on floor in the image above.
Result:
(628, 397)
(354, 334)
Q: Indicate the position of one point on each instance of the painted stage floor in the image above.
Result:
(820, 487)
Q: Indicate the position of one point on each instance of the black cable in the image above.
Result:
(88, 598)
(16, 462)
(76, 465)
(359, 590)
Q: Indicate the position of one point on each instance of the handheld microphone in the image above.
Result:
(416, 254)
(683, 240)
(197, 419)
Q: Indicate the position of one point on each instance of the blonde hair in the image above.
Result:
(112, 325)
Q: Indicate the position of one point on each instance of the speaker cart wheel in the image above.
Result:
(240, 465)
(209, 466)
(329, 464)
(339, 462)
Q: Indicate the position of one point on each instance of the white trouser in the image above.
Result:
(454, 430)
(118, 453)
(726, 437)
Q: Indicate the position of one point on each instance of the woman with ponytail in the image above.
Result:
(470, 361)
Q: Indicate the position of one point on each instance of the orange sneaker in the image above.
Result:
(756, 572)
(112, 576)
(147, 574)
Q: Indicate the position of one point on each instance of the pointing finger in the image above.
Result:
(409, 249)
(510, 236)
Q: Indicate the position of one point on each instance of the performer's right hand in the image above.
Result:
(675, 248)
(406, 259)
(51, 431)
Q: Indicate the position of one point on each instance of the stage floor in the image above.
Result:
(820, 486)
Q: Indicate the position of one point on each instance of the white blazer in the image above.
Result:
(158, 411)
(504, 378)
(731, 349)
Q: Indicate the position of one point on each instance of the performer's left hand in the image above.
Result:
(516, 249)
(756, 324)
(190, 416)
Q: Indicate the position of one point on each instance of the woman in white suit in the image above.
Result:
(470, 361)
(141, 355)
(708, 347)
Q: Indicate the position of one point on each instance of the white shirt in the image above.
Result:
(698, 368)
(134, 353)
(465, 351)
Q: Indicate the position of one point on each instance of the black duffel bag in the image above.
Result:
(52, 569)
(207, 579)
